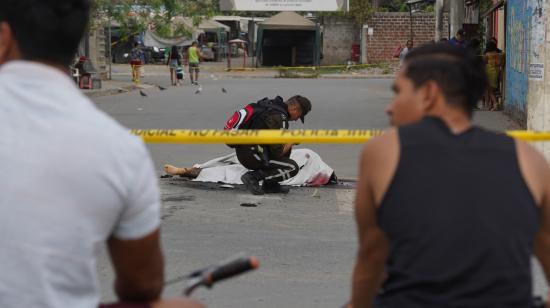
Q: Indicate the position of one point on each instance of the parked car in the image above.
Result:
(208, 53)
(154, 55)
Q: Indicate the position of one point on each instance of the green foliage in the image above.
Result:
(484, 5)
(394, 6)
(401, 6)
(359, 10)
(135, 16)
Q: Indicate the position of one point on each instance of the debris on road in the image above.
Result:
(316, 193)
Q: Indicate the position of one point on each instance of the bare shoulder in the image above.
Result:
(534, 168)
(379, 162)
(380, 145)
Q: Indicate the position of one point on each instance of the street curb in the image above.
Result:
(275, 75)
(120, 90)
(320, 77)
(358, 77)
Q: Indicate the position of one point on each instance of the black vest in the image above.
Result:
(460, 219)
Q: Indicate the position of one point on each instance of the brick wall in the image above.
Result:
(339, 33)
(394, 29)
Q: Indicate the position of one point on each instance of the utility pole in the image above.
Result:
(411, 35)
(439, 4)
(457, 15)
(109, 48)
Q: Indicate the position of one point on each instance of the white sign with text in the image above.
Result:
(536, 71)
(284, 5)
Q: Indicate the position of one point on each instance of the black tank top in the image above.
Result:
(460, 219)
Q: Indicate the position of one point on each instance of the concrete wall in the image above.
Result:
(517, 58)
(97, 51)
(393, 29)
(339, 33)
(538, 96)
(525, 54)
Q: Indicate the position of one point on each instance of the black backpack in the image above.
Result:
(245, 117)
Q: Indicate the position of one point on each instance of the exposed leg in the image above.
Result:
(187, 172)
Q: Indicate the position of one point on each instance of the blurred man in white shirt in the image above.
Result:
(73, 178)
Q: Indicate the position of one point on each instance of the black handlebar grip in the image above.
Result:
(232, 268)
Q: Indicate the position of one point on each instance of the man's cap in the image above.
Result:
(305, 105)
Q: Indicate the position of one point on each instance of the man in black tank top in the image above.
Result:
(448, 214)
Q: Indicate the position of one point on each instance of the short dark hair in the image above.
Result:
(491, 47)
(303, 102)
(458, 71)
(46, 30)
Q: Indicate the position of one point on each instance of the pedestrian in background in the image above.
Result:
(459, 39)
(174, 61)
(135, 62)
(475, 45)
(405, 51)
(494, 40)
(193, 60)
(494, 65)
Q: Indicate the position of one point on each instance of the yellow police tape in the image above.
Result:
(206, 136)
(529, 135)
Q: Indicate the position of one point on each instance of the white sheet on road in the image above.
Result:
(227, 169)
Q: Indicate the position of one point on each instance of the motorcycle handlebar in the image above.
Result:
(231, 268)
(213, 274)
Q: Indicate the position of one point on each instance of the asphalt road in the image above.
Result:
(306, 244)
(344, 104)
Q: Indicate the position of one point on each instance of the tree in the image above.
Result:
(135, 16)
(359, 10)
(395, 5)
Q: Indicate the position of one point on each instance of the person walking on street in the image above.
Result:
(271, 163)
(173, 61)
(193, 60)
(135, 62)
(448, 214)
(54, 221)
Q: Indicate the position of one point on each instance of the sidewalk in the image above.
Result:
(219, 70)
(237, 71)
(112, 87)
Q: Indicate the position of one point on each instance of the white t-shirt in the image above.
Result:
(71, 177)
(403, 54)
